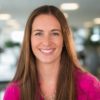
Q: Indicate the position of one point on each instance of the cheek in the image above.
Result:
(34, 43)
(60, 42)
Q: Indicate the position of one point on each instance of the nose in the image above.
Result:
(46, 41)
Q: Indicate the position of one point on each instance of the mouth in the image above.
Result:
(47, 51)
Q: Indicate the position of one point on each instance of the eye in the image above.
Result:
(38, 34)
(55, 33)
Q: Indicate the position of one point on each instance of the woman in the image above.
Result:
(48, 68)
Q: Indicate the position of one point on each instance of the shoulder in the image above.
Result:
(12, 92)
(88, 84)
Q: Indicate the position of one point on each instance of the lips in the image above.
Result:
(47, 51)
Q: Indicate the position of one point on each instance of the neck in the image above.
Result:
(48, 73)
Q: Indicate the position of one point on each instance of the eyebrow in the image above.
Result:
(56, 30)
(37, 30)
(40, 30)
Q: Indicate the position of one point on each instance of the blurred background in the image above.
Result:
(83, 17)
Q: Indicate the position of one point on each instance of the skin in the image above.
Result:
(47, 43)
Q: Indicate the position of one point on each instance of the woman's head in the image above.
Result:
(46, 39)
(65, 30)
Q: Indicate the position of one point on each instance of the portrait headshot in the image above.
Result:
(48, 67)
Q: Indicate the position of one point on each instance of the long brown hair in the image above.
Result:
(26, 74)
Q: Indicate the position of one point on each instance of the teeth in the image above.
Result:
(47, 51)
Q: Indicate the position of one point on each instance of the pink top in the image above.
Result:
(87, 87)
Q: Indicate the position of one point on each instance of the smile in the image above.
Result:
(47, 51)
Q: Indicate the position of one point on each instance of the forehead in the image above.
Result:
(47, 20)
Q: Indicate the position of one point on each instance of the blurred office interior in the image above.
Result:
(83, 17)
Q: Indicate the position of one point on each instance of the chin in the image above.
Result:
(47, 61)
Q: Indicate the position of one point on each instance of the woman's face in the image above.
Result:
(46, 39)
